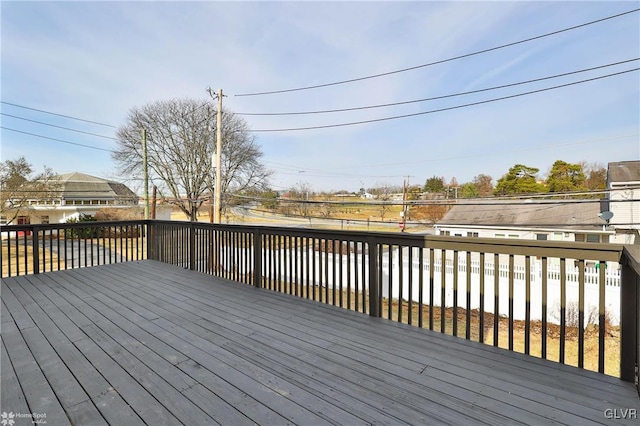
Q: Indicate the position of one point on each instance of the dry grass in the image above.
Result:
(20, 260)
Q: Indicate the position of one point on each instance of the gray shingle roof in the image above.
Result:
(623, 171)
(583, 215)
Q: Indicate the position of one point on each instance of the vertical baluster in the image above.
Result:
(511, 284)
(420, 285)
(455, 292)
(443, 290)
(410, 298)
(563, 308)
(431, 285)
(340, 272)
(326, 271)
(468, 300)
(581, 313)
(58, 247)
(390, 283)
(527, 312)
(601, 316)
(544, 309)
(349, 289)
(400, 281)
(315, 253)
(9, 234)
(481, 327)
(496, 298)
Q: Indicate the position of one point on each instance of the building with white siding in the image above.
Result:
(623, 182)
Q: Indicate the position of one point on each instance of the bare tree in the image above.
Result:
(484, 183)
(430, 212)
(19, 185)
(300, 192)
(181, 135)
(596, 176)
(326, 209)
(383, 194)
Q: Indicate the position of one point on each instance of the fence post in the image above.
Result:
(374, 294)
(150, 233)
(257, 258)
(629, 281)
(192, 246)
(35, 247)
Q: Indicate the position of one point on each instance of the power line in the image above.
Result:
(475, 155)
(539, 198)
(353, 123)
(57, 140)
(59, 115)
(436, 97)
(443, 60)
(58, 127)
(327, 172)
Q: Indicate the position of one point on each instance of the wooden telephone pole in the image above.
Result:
(217, 196)
(145, 166)
(405, 187)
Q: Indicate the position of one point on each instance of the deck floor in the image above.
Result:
(148, 343)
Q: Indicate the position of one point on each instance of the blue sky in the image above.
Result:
(97, 60)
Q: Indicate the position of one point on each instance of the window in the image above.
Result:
(541, 237)
(472, 234)
(593, 238)
(514, 236)
(44, 219)
(3, 220)
(499, 235)
(445, 232)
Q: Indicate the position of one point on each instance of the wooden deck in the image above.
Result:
(148, 343)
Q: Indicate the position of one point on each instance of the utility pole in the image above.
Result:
(405, 184)
(145, 166)
(154, 201)
(217, 212)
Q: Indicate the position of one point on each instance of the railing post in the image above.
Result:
(374, 294)
(150, 231)
(629, 327)
(35, 248)
(257, 258)
(192, 246)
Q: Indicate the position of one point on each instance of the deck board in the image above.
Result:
(145, 342)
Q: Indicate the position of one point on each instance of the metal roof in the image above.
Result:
(81, 186)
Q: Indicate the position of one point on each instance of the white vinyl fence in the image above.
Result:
(354, 269)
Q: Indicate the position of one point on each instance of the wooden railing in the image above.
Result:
(40, 248)
(514, 294)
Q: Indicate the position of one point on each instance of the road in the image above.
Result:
(253, 217)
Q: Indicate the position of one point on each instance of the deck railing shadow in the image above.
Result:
(569, 302)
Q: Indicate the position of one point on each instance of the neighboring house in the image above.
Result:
(77, 194)
(623, 182)
(533, 220)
